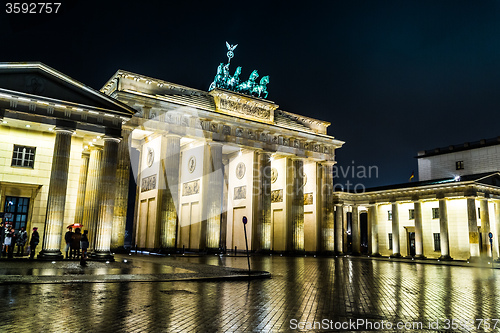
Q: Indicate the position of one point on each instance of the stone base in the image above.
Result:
(421, 256)
(375, 255)
(475, 259)
(120, 249)
(445, 258)
(50, 255)
(102, 256)
(396, 255)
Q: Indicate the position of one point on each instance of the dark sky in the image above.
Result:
(393, 77)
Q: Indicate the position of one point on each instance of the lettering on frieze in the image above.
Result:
(245, 109)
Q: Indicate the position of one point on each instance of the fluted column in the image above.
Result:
(223, 218)
(56, 199)
(373, 222)
(92, 193)
(82, 184)
(262, 201)
(496, 233)
(327, 221)
(485, 224)
(419, 244)
(473, 230)
(443, 230)
(395, 230)
(339, 228)
(210, 233)
(356, 231)
(169, 189)
(297, 209)
(106, 204)
(121, 195)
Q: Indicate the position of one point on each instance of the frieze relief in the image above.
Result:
(148, 183)
(240, 192)
(277, 196)
(191, 188)
(308, 198)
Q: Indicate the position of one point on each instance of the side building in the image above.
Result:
(453, 212)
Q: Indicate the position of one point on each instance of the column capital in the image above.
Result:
(111, 138)
(215, 143)
(172, 135)
(64, 130)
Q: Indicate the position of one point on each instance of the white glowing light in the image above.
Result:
(107, 262)
(28, 126)
(457, 178)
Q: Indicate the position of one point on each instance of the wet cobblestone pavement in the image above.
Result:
(303, 290)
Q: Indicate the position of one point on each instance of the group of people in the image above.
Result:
(9, 239)
(76, 241)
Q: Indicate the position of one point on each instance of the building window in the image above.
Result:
(435, 213)
(389, 215)
(390, 241)
(411, 213)
(459, 165)
(23, 156)
(437, 242)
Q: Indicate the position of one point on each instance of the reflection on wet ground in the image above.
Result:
(303, 289)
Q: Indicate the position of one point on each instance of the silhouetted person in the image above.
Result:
(22, 237)
(84, 244)
(68, 236)
(75, 243)
(35, 239)
(10, 241)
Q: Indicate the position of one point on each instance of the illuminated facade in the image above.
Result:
(201, 161)
(453, 212)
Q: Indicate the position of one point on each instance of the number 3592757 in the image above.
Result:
(32, 7)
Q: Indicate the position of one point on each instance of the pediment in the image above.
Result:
(37, 79)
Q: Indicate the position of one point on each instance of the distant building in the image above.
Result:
(449, 213)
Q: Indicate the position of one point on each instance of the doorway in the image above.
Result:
(18, 208)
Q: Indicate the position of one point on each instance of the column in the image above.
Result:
(91, 206)
(395, 230)
(54, 218)
(373, 222)
(169, 189)
(121, 195)
(473, 230)
(106, 204)
(327, 231)
(339, 228)
(485, 225)
(443, 230)
(419, 244)
(496, 233)
(262, 201)
(297, 209)
(82, 184)
(210, 233)
(356, 231)
(225, 194)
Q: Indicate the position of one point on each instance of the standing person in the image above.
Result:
(12, 242)
(2, 237)
(84, 244)
(68, 236)
(35, 239)
(8, 241)
(75, 244)
(22, 237)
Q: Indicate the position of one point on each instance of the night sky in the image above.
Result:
(393, 77)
